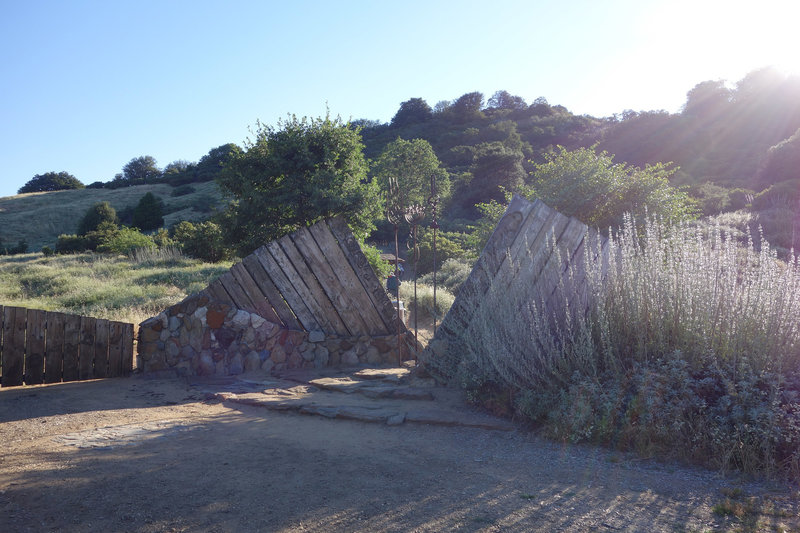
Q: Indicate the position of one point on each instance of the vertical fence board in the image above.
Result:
(1, 345)
(34, 356)
(101, 348)
(54, 347)
(13, 346)
(115, 349)
(72, 340)
(127, 349)
(86, 357)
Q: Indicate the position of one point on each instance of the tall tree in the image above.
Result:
(51, 181)
(148, 213)
(412, 111)
(413, 164)
(294, 175)
(506, 100)
(98, 214)
(140, 170)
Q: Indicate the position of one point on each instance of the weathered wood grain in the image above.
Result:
(251, 288)
(14, 319)
(291, 285)
(54, 347)
(333, 288)
(72, 340)
(127, 349)
(101, 348)
(354, 291)
(311, 290)
(86, 355)
(115, 343)
(281, 314)
(358, 261)
(34, 349)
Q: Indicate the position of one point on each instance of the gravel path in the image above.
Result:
(169, 455)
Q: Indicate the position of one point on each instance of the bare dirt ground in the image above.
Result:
(145, 455)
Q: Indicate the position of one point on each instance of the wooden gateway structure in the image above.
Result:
(531, 242)
(314, 279)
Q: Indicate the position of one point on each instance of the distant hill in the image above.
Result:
(39, 218)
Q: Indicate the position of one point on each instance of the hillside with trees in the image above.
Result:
(731, 147)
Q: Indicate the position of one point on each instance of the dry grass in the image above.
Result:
(39, 218)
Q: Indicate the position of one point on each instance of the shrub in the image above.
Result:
(124, 241)
(444, 299)
(182, 190)
(689, 342)
(95, 216)
(148, 213)
(450, 275)
(202, 241)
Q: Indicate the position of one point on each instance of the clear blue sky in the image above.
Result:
(87, 86)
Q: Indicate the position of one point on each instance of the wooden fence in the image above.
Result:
(314, 279)
(45, 347)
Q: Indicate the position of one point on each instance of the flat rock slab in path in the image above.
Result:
(386, 396)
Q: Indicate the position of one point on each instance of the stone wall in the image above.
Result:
(205, 337)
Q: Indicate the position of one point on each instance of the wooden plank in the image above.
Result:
(14, 319)
(294, 287)
(358, 261)
(101, 348)
(310, 290)
(34, 356)
(114, 349)
(256, 295)
(218, 293)
(72, 339)
(86, 355)
(548, 278)
(54, 347)
(240, 299)
(354, 292)
(316, 261)
(127, 349)
(282, 313)
(483, 273)
(1, 345)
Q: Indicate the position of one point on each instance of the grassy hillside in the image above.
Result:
(114, 287)
(39, 218)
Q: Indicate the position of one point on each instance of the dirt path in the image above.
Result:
(157, 455)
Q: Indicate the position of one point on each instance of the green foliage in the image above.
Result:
(138, 171)
(450, 275)
(182, 190)
(51, 181)
(70, 244)
(688, 344)
(594, 189)
(379, 266)
(20, 248)
(413, 164)
(203, 240)
(295, 175)
(124, 240)
(425, 306)
(782, 162)
(148, 213)
(412, 111)
(99, 213)
(448, 246)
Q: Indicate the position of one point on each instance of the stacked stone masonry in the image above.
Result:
(203, 337)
